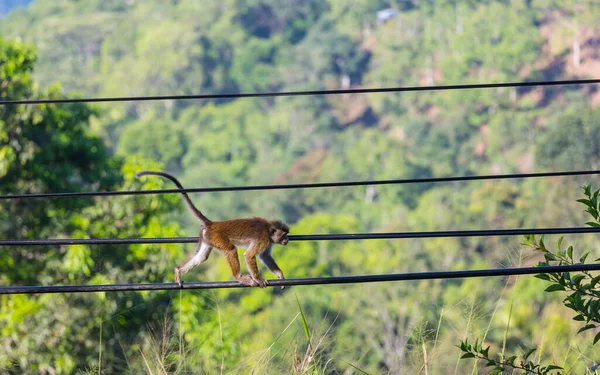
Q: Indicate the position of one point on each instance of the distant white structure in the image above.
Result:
(386, 15)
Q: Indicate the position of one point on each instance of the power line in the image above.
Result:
(303, 93)
(309, 237)
(303, 281)
(301, 186)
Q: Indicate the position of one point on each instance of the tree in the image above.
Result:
(572, 141)
(49, 148)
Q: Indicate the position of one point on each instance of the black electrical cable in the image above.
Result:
(309, 237)
(305, 93)
(301, 186)
(304, 281)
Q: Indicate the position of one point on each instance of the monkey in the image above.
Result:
(256, 233)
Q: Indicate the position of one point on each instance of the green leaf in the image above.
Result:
(587, 202)
(593, 224)
(596, 338)
(592, 212)
(553, 367)
(467, 355)
(486, 352)
(589, 326)
(559, 243)
(587, 287)
(543, 276)
(579, 318)
(354, 367)
(577, 279)
(582, 259)
(529, 240)
(570, 252)
(529, 352)
(304, 324)
(497, 370)
(587, 189)
(555, 288)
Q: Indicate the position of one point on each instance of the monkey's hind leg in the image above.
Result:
(200, 255)
(234, 263)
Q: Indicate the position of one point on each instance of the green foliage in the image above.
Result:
(521, 365)
(312, 361)
(584, 298)
(585, 290)
(37, 158)
(493, 48)
(572, 142)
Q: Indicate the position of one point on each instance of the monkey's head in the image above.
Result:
(279, 232)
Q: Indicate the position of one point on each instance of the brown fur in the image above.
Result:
(257, 234)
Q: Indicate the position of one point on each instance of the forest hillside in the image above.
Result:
(117, 48)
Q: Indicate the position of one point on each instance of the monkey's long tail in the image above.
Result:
(203, 219)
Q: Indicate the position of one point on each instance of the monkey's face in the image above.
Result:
(279, 236)
(279, 233)
(284, 240)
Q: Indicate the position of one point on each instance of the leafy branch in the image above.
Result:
(584, 297)
(584, 286)
(499, 365)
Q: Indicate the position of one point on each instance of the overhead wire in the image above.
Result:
(304, 93)
(307, 237)
(301, 186)
(356, 236)
(493, 272)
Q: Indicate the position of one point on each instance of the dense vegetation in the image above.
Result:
(129, 48)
